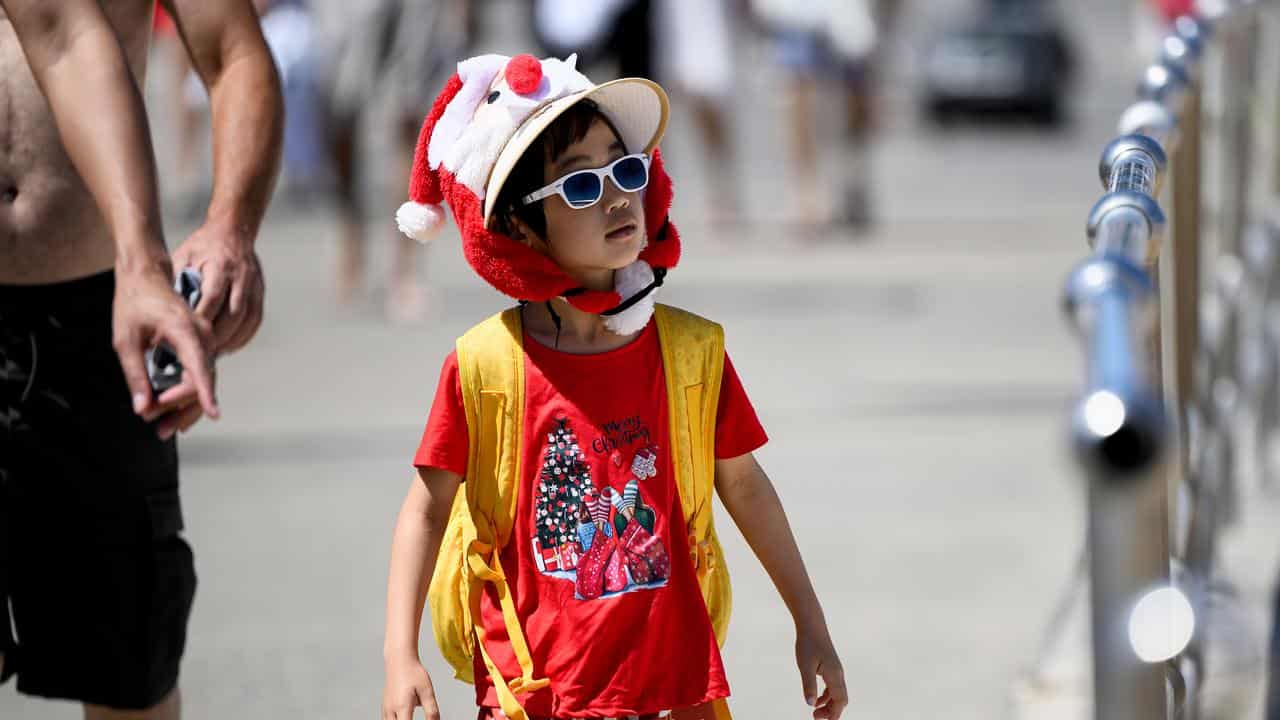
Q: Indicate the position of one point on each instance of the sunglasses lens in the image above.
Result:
(582, 189)
(631, 174)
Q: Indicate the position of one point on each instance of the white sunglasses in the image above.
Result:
(584, 188)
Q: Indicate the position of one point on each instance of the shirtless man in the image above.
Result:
(94, 574)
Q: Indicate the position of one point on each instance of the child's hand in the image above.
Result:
(407, 687)
(815, 655)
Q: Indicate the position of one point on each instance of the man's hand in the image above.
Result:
(231, 286)
(147, 312)
(407, 687)
(816, 657)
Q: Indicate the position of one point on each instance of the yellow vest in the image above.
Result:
(491, 368)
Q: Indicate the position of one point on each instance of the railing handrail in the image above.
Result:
(1120, 428)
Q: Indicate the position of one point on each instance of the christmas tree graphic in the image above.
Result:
(562, 485)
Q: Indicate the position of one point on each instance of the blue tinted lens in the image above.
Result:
(582, 188)
(630, 174)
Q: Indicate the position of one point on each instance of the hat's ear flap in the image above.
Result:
(513, 268)
(422, 217)
(663, 250)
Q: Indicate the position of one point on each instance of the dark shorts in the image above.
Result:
(94, 576)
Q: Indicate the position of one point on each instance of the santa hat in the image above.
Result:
(488, 114)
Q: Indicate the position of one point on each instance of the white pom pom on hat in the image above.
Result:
(420, 221)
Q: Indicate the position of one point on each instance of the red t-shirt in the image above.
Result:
(598, 563)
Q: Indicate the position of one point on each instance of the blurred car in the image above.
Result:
(1013, 57)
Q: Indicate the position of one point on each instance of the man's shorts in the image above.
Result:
(94, 576)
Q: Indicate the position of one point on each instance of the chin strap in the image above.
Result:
(555, 318)
(625, 317)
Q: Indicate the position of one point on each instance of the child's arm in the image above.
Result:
(748, 495)
(414, 547)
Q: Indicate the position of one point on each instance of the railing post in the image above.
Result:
(1181, 261)
(1119, 432)
(1119, 426)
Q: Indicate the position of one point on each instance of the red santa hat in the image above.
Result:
(488, 114)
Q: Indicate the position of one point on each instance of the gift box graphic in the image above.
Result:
(547, 559)
(569, 556)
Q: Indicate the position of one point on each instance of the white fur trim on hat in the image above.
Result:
(420, 222)
(476, 74)
(628, 281)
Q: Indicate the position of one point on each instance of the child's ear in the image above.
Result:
(525, 235)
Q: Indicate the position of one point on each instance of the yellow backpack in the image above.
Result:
(491, 368)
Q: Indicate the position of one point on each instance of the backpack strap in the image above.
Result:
(491, 371)
(693, 357)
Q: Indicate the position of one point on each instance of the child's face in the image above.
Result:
(589, 244)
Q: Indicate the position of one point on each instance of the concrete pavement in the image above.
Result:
(915, 386)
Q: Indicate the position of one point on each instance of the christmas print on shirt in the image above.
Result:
(612, 433)
(598, 538)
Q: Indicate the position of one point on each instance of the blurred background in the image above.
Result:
(880, 201)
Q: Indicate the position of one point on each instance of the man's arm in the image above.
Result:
(81, 68)
(227, 50)
(752, 502)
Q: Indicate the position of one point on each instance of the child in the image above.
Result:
(576, 608)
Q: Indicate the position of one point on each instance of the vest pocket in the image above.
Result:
(491, 444)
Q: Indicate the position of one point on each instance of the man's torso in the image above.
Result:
(50, 228)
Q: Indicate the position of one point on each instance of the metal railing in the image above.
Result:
(1182, 341)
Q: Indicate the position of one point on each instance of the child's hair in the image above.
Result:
(527, 175)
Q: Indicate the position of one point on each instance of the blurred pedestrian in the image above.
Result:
(819, 43)
(410, 46)
(694, 56)
(686, 44)
(95, 577)
(289, 29)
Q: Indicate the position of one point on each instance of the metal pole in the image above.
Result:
(1183, 293)
(1235, 73)
(1119, 437)
(1216, 377)
(1125, 563)
(1119, 426)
